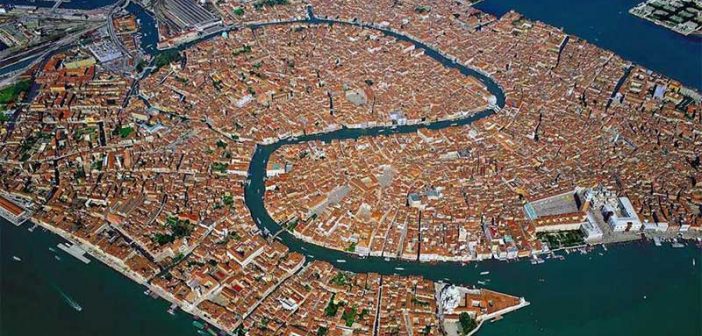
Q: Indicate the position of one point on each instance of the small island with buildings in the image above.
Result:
(681, 16)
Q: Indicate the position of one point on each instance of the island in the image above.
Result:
(681, 16)
(422, 132)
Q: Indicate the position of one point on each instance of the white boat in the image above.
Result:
(484, 273)
(657, 241)
(340, 260)
(677, 244)
(70, 301)
(482, 283)
(399, 268)
(172, 308)
(16, 258)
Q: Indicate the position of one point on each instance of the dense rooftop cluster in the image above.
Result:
(434, 194)
(152, 174)
(277, 81)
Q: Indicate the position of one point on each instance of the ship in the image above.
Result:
(70, 301)
(484, 273)
(340, 260)
(16, 258)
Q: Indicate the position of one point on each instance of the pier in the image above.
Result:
(75, 251)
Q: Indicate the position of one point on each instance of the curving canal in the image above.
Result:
(254, 191)
(618, 292)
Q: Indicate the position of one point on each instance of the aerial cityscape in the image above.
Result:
(317, 167)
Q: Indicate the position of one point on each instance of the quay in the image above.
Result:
(75, 251)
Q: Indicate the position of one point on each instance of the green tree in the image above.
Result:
(467, 323)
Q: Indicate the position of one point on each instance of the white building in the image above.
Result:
(621, 216)
(590, 228)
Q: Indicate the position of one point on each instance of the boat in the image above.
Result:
(484, 273)
(16, 258)
(52, 249)
(657, 241)
(482, 283)
(172, 308)
(340, 260)
(70, 301)
(693, 261)
(677, 244)
(198, 324)
(604, 247)
(57, 258)
(399, 268)
(387, 259)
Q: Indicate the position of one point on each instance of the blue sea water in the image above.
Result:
(608, 24)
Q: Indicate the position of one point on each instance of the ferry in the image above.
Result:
(484, 273)
(16, 258)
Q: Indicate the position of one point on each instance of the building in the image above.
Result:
(621, 215)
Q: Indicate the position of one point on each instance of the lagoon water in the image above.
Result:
(632, 289)
(607, 24)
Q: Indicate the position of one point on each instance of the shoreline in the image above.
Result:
(195, 314)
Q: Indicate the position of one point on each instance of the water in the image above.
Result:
(149, 37)
(33, 301)
(582, 295)
(607, 24)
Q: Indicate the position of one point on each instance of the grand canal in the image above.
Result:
(631, 289)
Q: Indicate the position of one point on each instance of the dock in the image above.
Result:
(75, 251)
